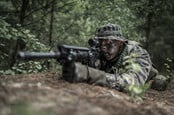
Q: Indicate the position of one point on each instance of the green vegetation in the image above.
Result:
(39, 25)
(137, 91)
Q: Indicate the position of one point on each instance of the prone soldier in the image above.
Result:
(122, 62)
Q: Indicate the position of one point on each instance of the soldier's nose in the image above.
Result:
(103, 48)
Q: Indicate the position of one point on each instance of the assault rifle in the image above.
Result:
(65, 53)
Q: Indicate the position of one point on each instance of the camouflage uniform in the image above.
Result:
(132, 67)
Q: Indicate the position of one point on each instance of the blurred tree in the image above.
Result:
(75, 21)
(157, 20)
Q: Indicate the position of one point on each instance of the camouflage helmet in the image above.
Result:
(110, 31)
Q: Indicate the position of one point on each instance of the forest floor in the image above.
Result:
(46, 94)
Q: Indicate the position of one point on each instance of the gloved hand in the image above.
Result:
(97, 77)
(74, 72)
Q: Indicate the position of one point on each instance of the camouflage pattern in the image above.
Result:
(111, 31)
(132, 67)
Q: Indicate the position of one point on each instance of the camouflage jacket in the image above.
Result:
(132, 67)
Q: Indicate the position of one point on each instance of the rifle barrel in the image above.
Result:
(38, 55)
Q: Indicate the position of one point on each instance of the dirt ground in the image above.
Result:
(46, 94)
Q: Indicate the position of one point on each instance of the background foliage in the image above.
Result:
(39, 25)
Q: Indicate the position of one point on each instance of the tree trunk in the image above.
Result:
(23, 11)
(148, 30)
(51, 23)
(149, 22)
(51, 29)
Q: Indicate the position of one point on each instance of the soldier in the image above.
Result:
(122, 62)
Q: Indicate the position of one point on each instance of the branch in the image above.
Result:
(36, 20)
(37, 9)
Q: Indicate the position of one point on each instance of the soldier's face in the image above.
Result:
(110, 48)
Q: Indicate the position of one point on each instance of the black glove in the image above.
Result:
(74, 72)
